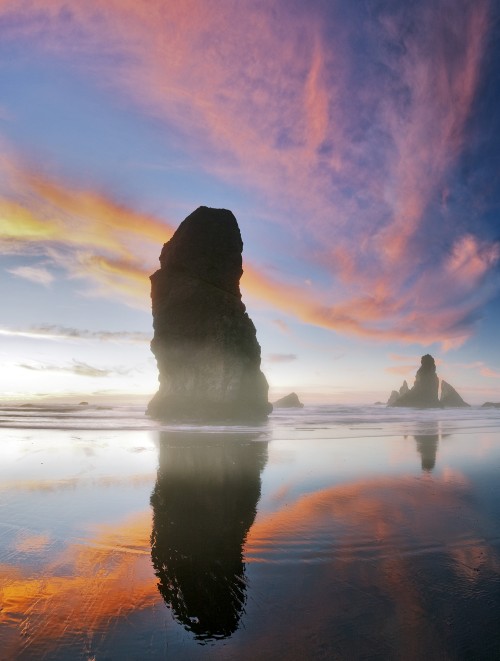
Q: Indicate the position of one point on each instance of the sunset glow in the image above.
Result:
(356, 145)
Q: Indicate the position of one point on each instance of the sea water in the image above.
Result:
(330, 532)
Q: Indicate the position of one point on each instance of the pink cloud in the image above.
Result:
(269, 98)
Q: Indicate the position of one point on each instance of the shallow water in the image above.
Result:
(328, 533)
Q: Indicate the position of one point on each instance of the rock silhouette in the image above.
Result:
(288, 402)
(395, 394)
(424, 393)
(450, 397)
(204, 341)
(491, 405)
(204, 503)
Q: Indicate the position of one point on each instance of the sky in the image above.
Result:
(357, 144)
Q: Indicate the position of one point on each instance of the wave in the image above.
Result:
(329, 420)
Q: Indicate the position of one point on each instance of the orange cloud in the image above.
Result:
(488, 372)
(275, 106)
(402, 370)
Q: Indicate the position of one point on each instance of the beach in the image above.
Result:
(330, 532)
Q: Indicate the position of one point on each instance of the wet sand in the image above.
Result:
(329, 533)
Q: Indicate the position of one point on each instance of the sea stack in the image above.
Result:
(204, 342)
(424, 393)
(395, 394)
(290, 401)
(450, 397)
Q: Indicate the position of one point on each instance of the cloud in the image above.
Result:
(282, 325)
(77, 367)
(38, 275)
(402, 370)
(58, 333)
(349, 149)
(91, 236)
(490, 373)
(281, 358)
(55, 332)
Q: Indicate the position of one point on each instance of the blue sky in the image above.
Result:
(357, 144)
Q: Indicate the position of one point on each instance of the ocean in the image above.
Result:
(330, 532)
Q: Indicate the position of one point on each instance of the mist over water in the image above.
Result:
(328, 532)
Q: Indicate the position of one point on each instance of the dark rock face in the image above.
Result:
(289, 402)
(424, 393)
(393, 397)
(204, 341)
(395, 394)
(450, 397)
(491, 405)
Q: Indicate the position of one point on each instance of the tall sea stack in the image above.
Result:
(425, 391)
(204, 341)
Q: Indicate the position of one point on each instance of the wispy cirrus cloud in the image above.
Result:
(100, 242)
(490, 373)
(37, 274)
(401, 370)
(55, 332)
(281, 357)
(349, 148)
(77, 367)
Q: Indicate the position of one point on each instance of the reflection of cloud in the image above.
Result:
(71, 483)
(69, 598)
(32, 543)
(387, 514)
(38, 275)
(383, 550)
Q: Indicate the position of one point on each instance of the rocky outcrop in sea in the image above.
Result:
(396, 394)
(204, 342)
(450, 397)
(290, 401)
(425, 391)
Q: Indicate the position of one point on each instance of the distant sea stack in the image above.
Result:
(450, 397)
(425, 391)
(204, 342)
(290, 401)
(395, 394)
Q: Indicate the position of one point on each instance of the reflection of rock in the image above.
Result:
(427, 445)
(204, 342)
(288, 402)
(424, 393)
(450, 397)
(204, 503)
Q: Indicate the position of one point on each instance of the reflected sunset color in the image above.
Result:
(326, 532)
